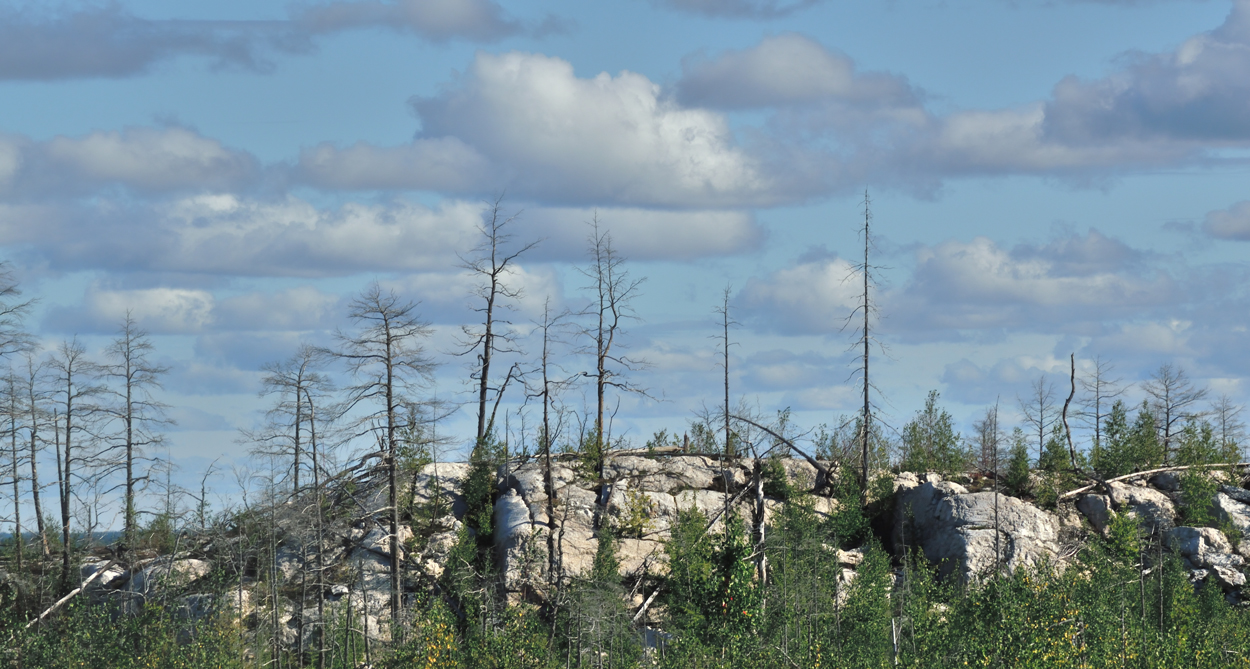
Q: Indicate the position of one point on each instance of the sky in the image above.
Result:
(1047, 178)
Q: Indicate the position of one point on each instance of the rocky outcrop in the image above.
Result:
(957, 529)
(1206, 551)
(639, 498)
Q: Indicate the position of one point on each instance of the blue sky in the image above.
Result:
(1047, 177)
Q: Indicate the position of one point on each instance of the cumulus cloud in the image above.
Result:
(758, 9)
(786, 69)
(157, 310)
(478, 20)
(139, 158)
(1074, 280)
(80, 41)
(170, 310)
(1231, 223)
(230, 234)
(447, 297)
(647, 234)
(552, 136)
(812, 297)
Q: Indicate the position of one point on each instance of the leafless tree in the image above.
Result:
(550, 433)
(860, 319)
(389, 364)
(74, 378)
(13, 412)
(1228, 422)
(726, 322)
(285, 434)
(1038, 408)
(491, 261)
(13, 309)
(139, 413)
(1173, 397)
(1100, 389)
(987, 437)
(612, 292)
(34, 398)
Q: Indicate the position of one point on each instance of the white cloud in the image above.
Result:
(139, 158)
(441, 164)
(1231, 223)
(786, 69)
(558, 138)
(230, 234)
(152, 158)
(157, 310)
(647, 234)
(480, 20)
(448, 297)
(813, 297)
(170, 310)
(981, 272)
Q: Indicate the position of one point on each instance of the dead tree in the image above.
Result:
(1228, 422)
(34, 398)
(547, 392)
(491, 262)
(1099, 389)
(1172, 396)
(139, 413)
(612, 292)
(1067, 430)
(1039, 411)
(388, 362)
(861, 316)
(12, 410)
(74, 376)
(726, 323)
(290, 382)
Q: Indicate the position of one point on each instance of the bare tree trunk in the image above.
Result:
(1072, 393)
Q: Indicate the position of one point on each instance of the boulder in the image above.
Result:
(956, 529)
(1206, 549)
(1229, 510)
(1097, 510)
(166, 572)
(1154, 509)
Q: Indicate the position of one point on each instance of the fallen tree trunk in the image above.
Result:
(62, 601)
(1150, 472)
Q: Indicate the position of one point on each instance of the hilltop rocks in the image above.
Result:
(956, 528)
(1154, 509)
(1205, 549)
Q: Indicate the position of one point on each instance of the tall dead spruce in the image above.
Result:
(134, 407)
(863, 313)
(389, 364)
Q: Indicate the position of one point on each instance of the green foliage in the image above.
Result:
(1198, 444)
(1017, 478)
(776, 481)
(849, 524)
(1127, 448)
(635, 520)
(1055, 455)
(606, 567)
(1198, 498)
(930, 442)
(480, 488)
